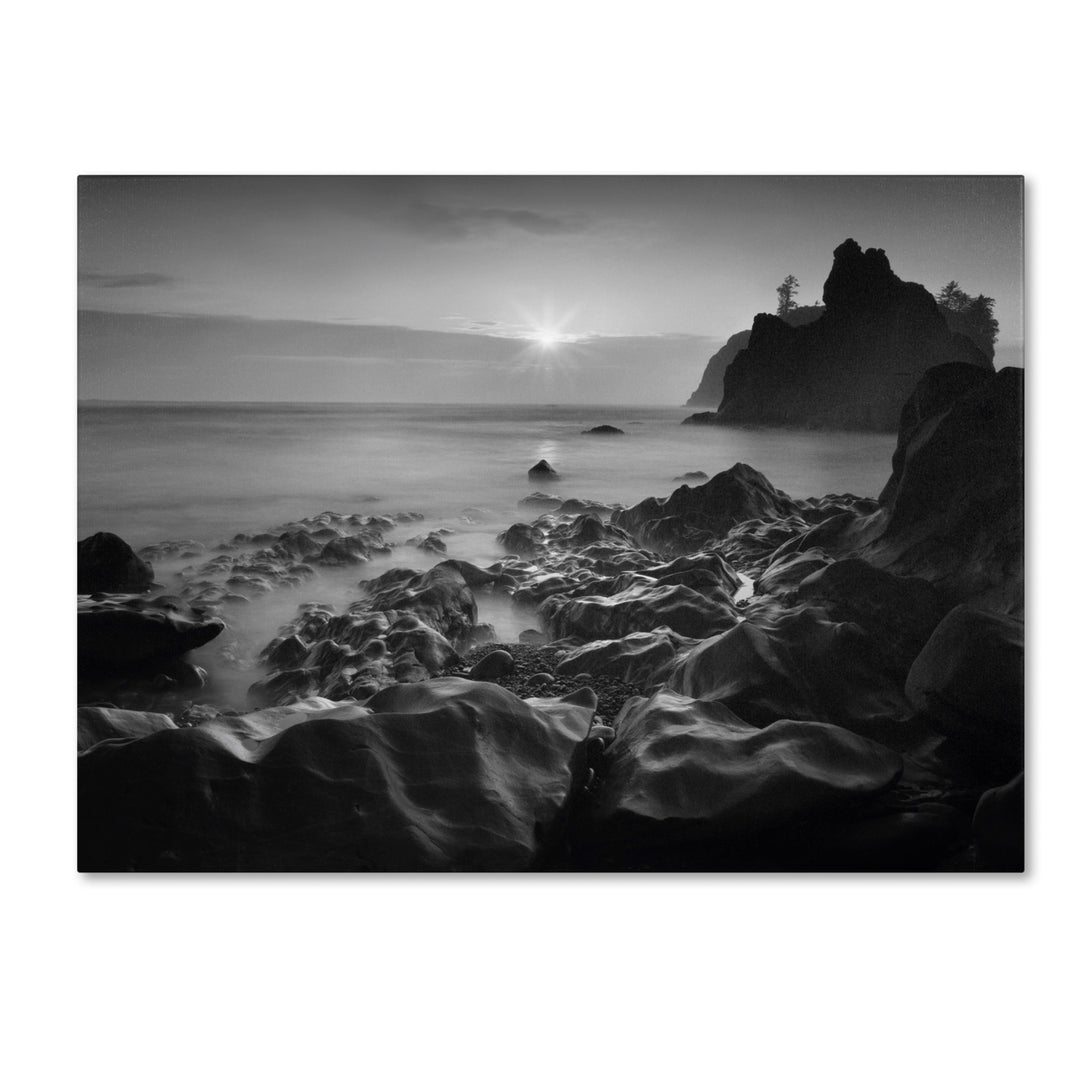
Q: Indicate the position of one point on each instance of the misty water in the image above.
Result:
(204, 472)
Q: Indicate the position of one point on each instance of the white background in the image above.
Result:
(643, 976)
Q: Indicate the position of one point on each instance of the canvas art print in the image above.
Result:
(551, 523)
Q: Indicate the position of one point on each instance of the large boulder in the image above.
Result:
(687, 772)
(899, 613)
(856, 365)
(968, 682)
(735, 495)
(107, 564)
(639, 607)
(444, 775)
(641, 659)
(953, 509)
(800, 665)
(97, 724)
(438, 597)
(127, 637)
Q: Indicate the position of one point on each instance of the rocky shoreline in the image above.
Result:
(838, 715)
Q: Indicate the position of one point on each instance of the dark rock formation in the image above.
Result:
(98, 724)
(405, 629)
(799, 665)
(899, 613)
(691, 772)
(543, 471)
(642, 658)
(604, 429)
(954, 505)
(856, 365)
(639, 607)
(710, 391)
(969, 684)
(107, 564)
(117, 638)
(521, 539)
(442, 775)
(690, 515)
(495, 665)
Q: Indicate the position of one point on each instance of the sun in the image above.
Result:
(547, 339)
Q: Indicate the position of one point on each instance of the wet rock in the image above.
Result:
(540, 502)
(543, 471)
(98, 724)
(639, 607)
(107, 564)
(899, 613)
(125, 637)
(642, 658)
(493, 666)
(604, 429)
(968, 682)
(687, 772)
(283, 688)
(954, 506)
(799, 665)
(521, 539)
(785, 573)
(738, 494)
(286, 652)
(433, 544)
(325, 787)
(438, 597)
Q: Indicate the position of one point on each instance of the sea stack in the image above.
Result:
(856, 365)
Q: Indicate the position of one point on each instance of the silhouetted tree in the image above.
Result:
(953, 297)
(980, 314)
(972, 316)
(786, 290)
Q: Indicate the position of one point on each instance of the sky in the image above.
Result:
(490, 289)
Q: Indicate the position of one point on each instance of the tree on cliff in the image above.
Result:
(952, 297)
(972, 316)
(786, 290)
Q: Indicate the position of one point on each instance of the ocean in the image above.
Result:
(174, 471)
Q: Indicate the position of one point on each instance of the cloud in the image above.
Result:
(98, 280)
(441, 222)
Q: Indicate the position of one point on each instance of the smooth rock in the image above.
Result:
(107, 564)
(685, 771)
(495, 665)
(447, 774)
(969, 683)
(543, 471)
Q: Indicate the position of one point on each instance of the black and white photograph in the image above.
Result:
(554, 525)
(609, 523)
